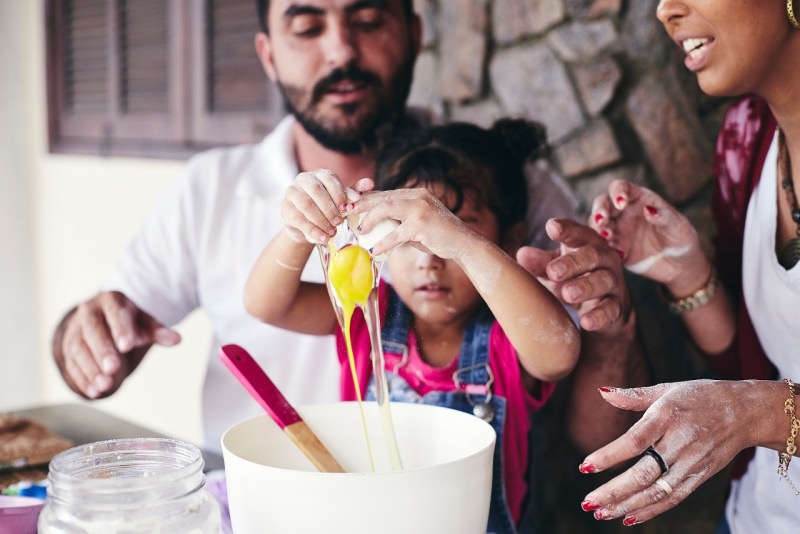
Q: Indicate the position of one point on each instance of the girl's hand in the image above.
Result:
(697, 427)
(653, 238)
(424, 221)
(314, 204)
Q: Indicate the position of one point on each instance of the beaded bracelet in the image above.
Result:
(785, 457)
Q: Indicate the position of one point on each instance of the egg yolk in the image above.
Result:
(350, 274)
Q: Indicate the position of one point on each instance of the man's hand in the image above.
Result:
(585, 273)
(101, 341)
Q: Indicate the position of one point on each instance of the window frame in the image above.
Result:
(187, 127)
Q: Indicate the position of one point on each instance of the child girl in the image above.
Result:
(459, 312)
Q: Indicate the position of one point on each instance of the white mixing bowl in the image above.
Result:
(444, 487)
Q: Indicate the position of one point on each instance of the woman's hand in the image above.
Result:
(697, 427)
(654, 239)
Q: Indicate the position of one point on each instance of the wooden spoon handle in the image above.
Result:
(267, 394)
(309, 443)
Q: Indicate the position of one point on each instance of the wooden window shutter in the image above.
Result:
(80, 71)
(147, 77)
(113, 87)
(162, 78)
(144, 58)
(234, 101)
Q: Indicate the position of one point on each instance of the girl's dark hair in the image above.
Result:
(488, 165)
(263, 9)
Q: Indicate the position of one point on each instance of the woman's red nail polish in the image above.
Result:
(629, 521)
(620, 199)
(604, 233)
(586, 467)
(651, 210)
(598, 217)
(589, 505)
(604, 389)
(602, 514)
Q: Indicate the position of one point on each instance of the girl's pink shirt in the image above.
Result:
(503, 361)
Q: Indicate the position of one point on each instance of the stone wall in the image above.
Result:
(601, 75)
(611, 88)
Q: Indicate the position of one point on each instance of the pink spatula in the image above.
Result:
(258, 384)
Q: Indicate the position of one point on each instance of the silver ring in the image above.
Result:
(651, 451)
(663, 484)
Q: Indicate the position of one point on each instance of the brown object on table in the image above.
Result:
(26, 448)
(84, 424)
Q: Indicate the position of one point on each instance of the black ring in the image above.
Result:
(651, 451)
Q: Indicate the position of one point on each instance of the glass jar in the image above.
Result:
(139, 485)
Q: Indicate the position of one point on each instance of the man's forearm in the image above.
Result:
(605, 361)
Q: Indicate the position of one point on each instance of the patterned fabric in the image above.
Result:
(742, 145)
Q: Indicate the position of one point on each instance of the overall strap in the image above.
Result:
(473, 364)
(473, 359)
(396, 325)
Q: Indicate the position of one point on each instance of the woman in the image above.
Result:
(745, 299)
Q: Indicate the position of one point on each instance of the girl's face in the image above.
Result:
(437, 291)
(734, 46)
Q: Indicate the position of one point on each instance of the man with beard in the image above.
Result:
(345, 69)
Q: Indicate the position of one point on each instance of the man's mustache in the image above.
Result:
(350, 73)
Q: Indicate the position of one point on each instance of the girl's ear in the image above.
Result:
(514, 238)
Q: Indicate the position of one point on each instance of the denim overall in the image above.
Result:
(473, 395)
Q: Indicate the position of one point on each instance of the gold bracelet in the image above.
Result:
(785, 457)
(696, 300)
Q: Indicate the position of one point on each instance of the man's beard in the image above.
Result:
(358, 134)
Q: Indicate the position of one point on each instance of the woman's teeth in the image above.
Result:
(693, 46)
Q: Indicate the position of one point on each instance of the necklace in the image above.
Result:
(790, 254)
